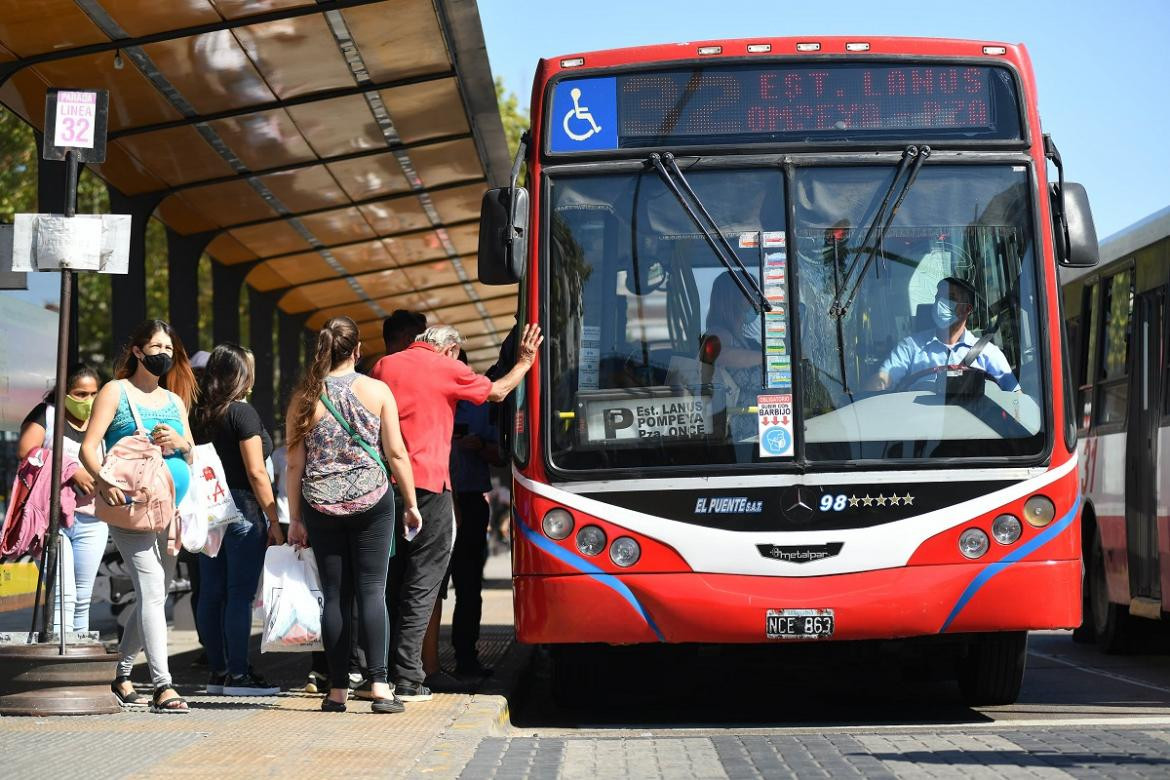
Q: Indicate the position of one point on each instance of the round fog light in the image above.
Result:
(1006, 529)
(1039, 511)
(591, 540)
(557, 524)
(625, 551)
(973, 543)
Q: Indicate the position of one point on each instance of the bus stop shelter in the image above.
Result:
(329, 156)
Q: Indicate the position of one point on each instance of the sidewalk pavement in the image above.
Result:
(281, 736)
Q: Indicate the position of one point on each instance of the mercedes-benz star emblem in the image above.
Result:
(798, 504)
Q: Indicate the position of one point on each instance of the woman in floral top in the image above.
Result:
(340, 502)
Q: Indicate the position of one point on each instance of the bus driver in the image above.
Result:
(923, 355)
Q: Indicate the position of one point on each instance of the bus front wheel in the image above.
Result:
(993, 669)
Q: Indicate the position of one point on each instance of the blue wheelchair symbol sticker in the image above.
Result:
(775, 441)
(584, 115)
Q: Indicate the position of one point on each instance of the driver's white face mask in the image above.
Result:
(945, 312)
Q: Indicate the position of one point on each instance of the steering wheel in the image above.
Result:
(910, 379)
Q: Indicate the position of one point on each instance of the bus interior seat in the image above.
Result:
(924, 317)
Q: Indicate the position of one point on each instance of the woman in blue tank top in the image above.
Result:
(155, 375)
(169, 414)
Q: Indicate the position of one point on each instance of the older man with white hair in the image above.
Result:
(427, 380)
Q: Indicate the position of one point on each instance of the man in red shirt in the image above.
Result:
(427, 380)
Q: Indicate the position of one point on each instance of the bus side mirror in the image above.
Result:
(1072, 227)
(503, 235)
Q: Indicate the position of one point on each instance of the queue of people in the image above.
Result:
(369, 481)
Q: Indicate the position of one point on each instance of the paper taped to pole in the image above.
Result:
(87, 242)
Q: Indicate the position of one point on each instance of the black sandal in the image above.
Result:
(328, 705)
(172, 705)
(132, 699)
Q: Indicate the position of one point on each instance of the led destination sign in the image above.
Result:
(828, 101)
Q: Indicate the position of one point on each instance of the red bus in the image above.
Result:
(803, 371)
(1117, 325)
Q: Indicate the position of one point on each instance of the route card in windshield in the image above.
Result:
(633, 415)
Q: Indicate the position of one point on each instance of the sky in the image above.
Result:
(1102, 69)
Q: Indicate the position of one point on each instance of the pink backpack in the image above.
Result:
(135, 464)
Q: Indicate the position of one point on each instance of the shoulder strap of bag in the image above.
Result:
(357, 437)
(50, 420)
(133, 408)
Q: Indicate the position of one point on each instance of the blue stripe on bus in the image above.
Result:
(1016, 555)
(594, 571)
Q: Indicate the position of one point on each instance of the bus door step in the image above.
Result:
(1146, 608)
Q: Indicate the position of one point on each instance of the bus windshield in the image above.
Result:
(659, 359)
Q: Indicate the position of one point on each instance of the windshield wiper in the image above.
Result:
(912, 158)
(715, 238)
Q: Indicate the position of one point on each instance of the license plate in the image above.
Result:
(799, 624)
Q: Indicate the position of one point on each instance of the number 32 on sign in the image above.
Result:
(76, 117)
(774, 416)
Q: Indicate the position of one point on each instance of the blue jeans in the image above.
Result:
(227, 587)
(82, 547)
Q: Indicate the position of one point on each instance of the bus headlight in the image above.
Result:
(625, 551)
(1039, 511)
(557, 524)
(591, 540)
(973, 543)
(1006, 529)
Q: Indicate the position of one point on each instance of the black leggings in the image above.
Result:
(353, 552)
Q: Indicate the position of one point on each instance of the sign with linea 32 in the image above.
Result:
(75, 121)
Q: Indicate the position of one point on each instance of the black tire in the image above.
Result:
(577, 676)
(1111, 622)
(993, 669)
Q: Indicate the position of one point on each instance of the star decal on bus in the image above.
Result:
(854, 500)
(867, 501)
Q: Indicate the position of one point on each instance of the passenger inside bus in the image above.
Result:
(733, 320)
(923, 360)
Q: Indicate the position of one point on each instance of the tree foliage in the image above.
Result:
(514, 117)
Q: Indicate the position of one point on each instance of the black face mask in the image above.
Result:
(157, 364)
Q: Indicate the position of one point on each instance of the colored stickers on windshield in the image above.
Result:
(584, 115)
(778, 363)
(774, 418)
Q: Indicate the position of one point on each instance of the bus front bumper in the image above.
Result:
(727, 608)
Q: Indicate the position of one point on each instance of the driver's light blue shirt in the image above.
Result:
(923, 351)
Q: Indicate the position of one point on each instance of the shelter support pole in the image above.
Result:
(183, 255)
(291, 327)
(310, 341)
(128, 291)
(262, 311)
(226, 283)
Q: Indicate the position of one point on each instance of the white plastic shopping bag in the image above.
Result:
(192, 524)
(292, 601)
(209, 485)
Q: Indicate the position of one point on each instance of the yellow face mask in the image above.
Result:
(78, 408)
